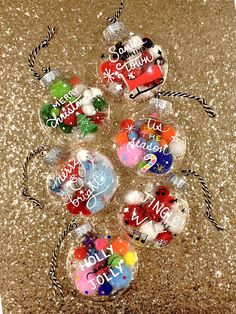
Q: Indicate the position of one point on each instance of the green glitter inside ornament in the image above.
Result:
(60, 88)
(86, 125)
(99, 103)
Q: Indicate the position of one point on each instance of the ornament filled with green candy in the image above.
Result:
(74, 107)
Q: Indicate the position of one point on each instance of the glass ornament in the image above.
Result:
(153, 213)
(101, 266)
(73, 111)
(132, 66)
(150, 143)
(85, 181)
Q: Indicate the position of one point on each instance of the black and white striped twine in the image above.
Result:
(25, 190)
(207, 196)
(117, 14)
(35, 51)
(53, 266)
(208, 109)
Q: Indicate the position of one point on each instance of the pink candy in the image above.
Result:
(130, 155)
(101, 244)
(82, 282)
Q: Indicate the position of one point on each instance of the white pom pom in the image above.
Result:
(134, 198)
(176, 219)
(96, 91)
(78, 90)
(151, 229)
(177, 147)
(134, 43)
(83, 154)
(89, 110)
(155, 51)
(87, 97)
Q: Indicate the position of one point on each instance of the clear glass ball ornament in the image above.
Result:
(132, 66)
(85, 181)
(153, 213)
(101, 266)
(150, 143)
(73, 110)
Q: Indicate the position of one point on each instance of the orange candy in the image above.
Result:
(120, 246)
(168, 133)
(163, 142)
(121, 138)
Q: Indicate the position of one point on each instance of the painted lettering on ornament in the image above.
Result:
(93, 259)
(70, 108)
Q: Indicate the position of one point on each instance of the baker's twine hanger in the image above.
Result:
(35, 51)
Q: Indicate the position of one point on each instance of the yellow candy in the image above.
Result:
(130, 258)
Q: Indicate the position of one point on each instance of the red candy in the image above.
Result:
(70, 119)
(164, 238)
(80, 253)
(98, 118)
(127, 124)
(109, 71)
(74, 80)
(134, 215)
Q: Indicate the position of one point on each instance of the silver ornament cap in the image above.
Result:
(81, 230)
(53, 156)
(49, 77)
(115, 31)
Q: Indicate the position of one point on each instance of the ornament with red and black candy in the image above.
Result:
(74, 108)
(86, 182)
(149, 144)
(153, 215)
(132, 66)
(101, 266)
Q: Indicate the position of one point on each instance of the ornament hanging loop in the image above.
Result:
(207, 196)
(35, 51)
(25, 190)
(54, 261)
(117, 14)
(208, 109)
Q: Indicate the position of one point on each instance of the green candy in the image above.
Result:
(114, 260)
(56, 111)
(59, 88)
(141, 164)
(86, 125)
(72, 99)
(99, 103)
(45, 113)
(65, 128)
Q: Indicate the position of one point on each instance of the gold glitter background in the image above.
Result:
(195, 274)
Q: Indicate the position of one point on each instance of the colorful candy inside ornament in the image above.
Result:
(107, 267)
(133, 66)
(74, 107)
(153, 216)
(86, 183)
(149, 145)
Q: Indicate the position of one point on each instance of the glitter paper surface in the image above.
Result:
(195, 274)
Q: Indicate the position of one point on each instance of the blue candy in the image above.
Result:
(123, 279)
(163, 164)
(152, 146)
(132, 135)
(105, 289)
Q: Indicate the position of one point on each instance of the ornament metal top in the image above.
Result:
(135, 67)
